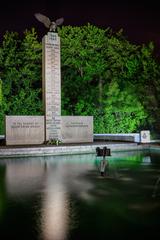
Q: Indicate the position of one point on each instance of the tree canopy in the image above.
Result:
(107, 76)
(103, 74)
(20, 73)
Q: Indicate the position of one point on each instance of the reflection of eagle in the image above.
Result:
(47, 22)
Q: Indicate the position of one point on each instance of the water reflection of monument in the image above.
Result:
(57, 207)
(54, 179)
(55, 211)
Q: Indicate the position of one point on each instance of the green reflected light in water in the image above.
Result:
(64, 197)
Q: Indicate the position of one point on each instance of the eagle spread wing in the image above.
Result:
(42, 18)
(59, 21)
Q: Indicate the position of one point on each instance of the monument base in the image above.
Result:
(77, 129)
(28, 130)
(24, 130)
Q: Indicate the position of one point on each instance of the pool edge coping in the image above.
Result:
(70, 150)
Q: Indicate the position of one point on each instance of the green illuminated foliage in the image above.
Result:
(0, 92)
(99, 77)
(83, 64)
(124, 113)
(103, 74)
(20, 72)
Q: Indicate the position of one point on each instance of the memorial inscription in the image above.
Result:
(77, 129)
(24, 130)
(52, 85)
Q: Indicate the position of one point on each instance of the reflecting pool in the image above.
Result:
(65, 197)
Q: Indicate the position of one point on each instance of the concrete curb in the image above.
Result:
(65, 150)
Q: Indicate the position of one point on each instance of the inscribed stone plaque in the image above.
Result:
(24, 130)
(145, 136)
(52, 85)
(77, 129)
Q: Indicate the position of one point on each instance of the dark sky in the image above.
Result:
(139, 19)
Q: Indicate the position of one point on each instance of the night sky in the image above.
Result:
(139, 19)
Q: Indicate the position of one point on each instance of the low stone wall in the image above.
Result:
(65, 150)
(128, 137)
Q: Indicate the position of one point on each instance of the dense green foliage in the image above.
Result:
(106, 76)
(103, 74)
(0, 91)
(20, 72)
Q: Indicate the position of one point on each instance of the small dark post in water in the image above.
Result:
(102, 167)
(103, 163)
(103, 152)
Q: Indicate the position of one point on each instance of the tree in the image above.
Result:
(83, 65)
(123, 112)
(0, 92)
(20, 72)
(148, 86)
(98, 67)
(103, 74)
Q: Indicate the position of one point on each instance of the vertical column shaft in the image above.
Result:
(51, 70)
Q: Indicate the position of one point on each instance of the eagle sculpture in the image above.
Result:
(47, 22)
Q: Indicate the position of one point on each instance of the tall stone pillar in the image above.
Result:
(51, 71)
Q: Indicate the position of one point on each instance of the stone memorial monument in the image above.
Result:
(52, 126)
(65, 128)
(24, 130)
(52, 85)
(51, 77)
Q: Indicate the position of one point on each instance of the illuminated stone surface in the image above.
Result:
(52, 85)
(22, 130)
(145, 136)
(77, 129)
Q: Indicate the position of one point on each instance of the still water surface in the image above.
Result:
(65, 198)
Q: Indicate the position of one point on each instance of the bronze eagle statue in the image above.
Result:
(47, 22)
